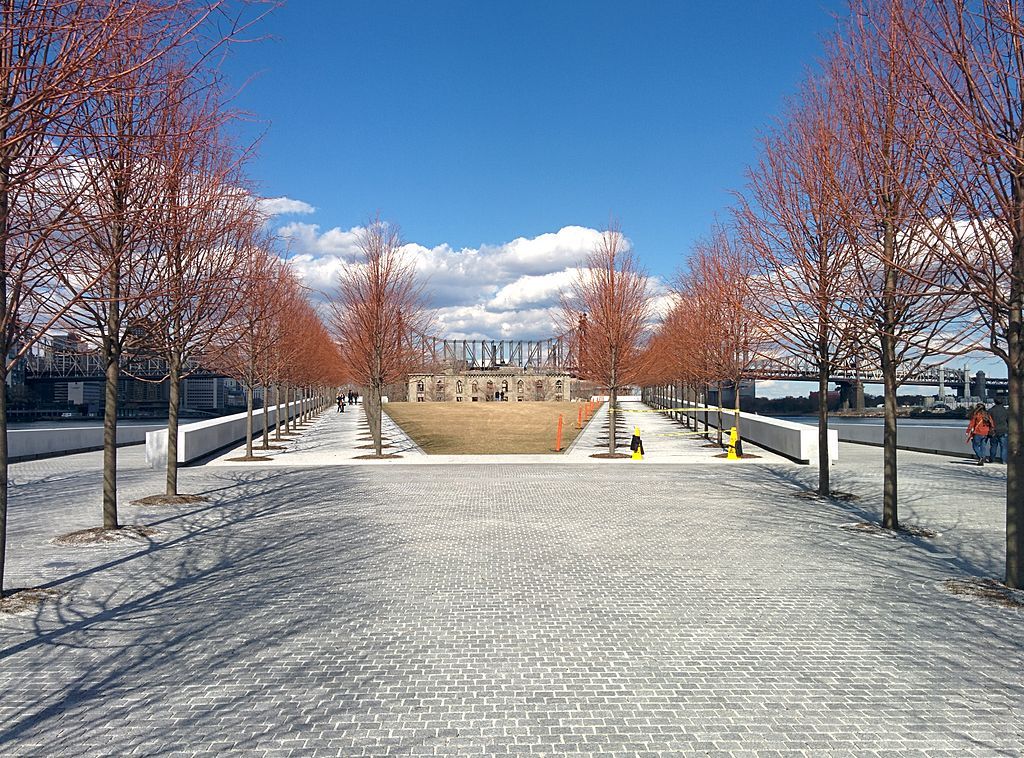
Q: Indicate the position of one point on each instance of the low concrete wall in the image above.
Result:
(26, 444)
(942, 440)
(201, 438)
(798, 442)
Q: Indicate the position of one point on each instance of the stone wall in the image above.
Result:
(487, 386)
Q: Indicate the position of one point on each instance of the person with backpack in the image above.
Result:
(978, 429)
(997, 452)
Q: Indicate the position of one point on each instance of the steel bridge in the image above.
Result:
(552, 354)
(932, 376)
(61, 360)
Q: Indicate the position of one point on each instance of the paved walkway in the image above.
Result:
(603, 608)
(343, 439)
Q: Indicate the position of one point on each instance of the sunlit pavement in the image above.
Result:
(343, 439)
(601, 608)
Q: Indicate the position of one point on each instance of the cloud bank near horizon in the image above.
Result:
(505, 291)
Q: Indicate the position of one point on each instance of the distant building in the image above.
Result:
(728, 399)
(213, 393)
(507, 383)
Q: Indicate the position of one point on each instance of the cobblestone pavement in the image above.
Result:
(336, 439)
(506, 610)
(330, 439)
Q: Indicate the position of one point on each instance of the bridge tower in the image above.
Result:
(851, 394)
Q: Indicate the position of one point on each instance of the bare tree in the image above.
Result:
(910, 309)
(721, 281)
(241, 349)
(375, 313)
(49, 62)
(970, 55)
(611, 292)
(204, 223)
(791, 217)
(118, 213)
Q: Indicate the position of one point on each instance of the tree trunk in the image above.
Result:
(248, 419)
(112, 374)
(3, 471)
(890, 511)
(374, 417)
(736, 406)
(266, 417)
(707, 426)
(1015, 463)
(718, 412)
(174, 393)
(613, 417)
(824, 488)
(1015, 374)
(277, 425)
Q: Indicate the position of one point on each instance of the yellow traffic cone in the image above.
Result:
(637, 445)
(733, 437)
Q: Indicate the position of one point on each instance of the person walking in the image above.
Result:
(978, 430)
(1000, 414)
(341, 403)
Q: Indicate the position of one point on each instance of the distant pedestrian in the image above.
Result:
(341, 403)
(978, 430)
(1000, 428)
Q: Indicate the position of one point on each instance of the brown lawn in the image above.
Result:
(485, 428)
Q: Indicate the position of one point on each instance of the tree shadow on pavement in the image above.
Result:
(175, 646)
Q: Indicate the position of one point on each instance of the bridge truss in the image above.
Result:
(934, 376)
(57, 359)
(553, 354)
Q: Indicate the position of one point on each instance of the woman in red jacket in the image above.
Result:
(978, 429)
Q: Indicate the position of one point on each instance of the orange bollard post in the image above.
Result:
(579, 418)
(558, 437)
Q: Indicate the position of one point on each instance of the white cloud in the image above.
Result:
(506, 291)
(276, 206)
(306, 240)
(540, 290)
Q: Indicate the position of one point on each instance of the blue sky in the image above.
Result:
(501, 136)
(474, 123)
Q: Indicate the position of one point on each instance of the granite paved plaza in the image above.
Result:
(496, 609)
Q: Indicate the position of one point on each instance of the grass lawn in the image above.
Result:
(485, 428)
